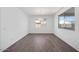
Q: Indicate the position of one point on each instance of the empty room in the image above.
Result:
(39, 29)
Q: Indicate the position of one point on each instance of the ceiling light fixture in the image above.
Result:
(40, 21)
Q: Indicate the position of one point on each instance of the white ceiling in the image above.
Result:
(40, 10)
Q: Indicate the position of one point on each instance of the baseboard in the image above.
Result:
(65, 42)
(15, 41)
(40, 33)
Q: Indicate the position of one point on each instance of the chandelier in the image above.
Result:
(40, 21)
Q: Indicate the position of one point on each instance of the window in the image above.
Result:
(67, 20)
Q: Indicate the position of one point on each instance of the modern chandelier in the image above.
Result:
(40, 21)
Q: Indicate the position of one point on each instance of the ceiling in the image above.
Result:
(40, 10)
(71, 10)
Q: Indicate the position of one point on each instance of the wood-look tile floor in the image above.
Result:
(40, 43)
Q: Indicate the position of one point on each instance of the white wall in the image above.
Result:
(48, 28)
(0, 30)
(70, 37)
(14, 25)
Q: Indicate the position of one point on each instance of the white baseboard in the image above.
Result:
(66, 42)
(18, 38)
